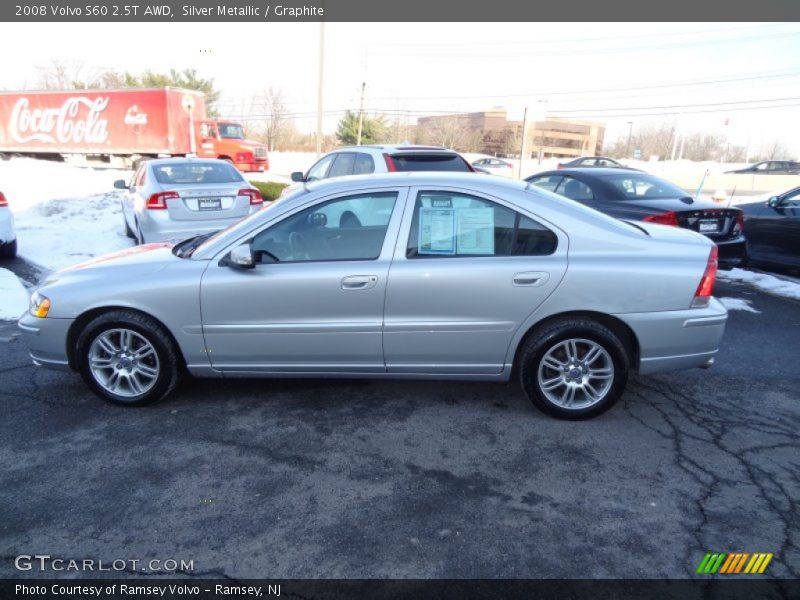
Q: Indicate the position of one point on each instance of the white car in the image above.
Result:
(8, 236)
(495, 166)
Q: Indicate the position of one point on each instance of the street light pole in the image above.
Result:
(361, 114)
(320, 82)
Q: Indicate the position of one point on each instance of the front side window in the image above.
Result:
(547, 182)
(448, 224)
(320, 169)
(343, 165)
(348, 228)
(574, 189)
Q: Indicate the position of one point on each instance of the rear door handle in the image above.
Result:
(531, 278)
(359, 282)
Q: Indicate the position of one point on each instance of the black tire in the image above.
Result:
(169, 362)
(128, 231)
(551, 335)
(9, 250)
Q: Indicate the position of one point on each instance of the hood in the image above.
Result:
(138, 261)
(253, 143)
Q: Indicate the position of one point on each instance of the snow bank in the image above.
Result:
(13, 296)
(763, 282)
(64, 214)
(738, 304)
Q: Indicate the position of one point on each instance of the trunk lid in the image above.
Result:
(208, 202)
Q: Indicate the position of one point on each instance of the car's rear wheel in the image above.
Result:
(128, 231)
(127, 358)
(574, 368)
(8, 250)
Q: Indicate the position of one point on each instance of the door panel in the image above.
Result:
(457, 313)
(310, 312)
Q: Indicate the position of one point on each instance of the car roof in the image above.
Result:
(591, 171)
(181, 159)
(417, 178)
(395, 148)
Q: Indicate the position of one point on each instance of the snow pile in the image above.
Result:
(738, 304)
(64, 214)
(13, 296)
(763, 282)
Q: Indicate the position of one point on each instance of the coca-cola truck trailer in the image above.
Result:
(121, 127)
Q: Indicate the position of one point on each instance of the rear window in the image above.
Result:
(430, 162)
(636, 186)
(196, 173)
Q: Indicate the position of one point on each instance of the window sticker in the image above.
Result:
(437, 231)
(475, 227)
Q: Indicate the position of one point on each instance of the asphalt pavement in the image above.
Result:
(345, 479)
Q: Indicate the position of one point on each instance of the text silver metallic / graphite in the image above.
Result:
(252, 10)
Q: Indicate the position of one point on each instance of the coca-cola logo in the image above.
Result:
(76, 121)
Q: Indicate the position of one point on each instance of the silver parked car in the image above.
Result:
(176, 198)
(405, 275)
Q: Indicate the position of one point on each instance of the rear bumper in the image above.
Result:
(731, 252)
(47, 340)
(160, 227)
(678, 339)
(7, 233)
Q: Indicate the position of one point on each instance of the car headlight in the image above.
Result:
(40, 305)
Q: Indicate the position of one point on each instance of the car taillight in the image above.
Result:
(391, 166)
(158, 201)
(706, 287)
(739, 227)
(667, 218)
(254, 195)
(3, 201)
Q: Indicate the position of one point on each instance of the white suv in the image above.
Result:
(8, 237)
(363, 160)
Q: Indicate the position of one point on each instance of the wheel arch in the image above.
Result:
(80, 323)
(617, 326)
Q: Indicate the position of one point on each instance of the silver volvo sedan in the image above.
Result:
(404, 275)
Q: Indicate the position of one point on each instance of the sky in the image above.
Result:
(737, 79)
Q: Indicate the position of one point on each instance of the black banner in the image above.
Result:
(400, 11)
(385, 589)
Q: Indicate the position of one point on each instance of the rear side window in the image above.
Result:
(188, 172)
(364, 164)
(451, 225)
(430, 162)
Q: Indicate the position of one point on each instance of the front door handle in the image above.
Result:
(531, 278)
(359, 282)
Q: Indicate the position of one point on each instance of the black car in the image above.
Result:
(772, 229)
(592, 161)
(771, 167)
(635, 195)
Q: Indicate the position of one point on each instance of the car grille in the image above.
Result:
(260, 152)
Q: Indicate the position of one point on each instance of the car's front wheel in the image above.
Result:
(127, 358)
(574, 368)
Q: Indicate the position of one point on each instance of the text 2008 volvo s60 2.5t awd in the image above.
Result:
(404, 275)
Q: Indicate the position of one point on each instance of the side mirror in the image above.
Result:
(298, 177)
(241, 257)
(120, 184)
(773, 202)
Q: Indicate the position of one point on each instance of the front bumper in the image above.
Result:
(259, 166)
(47, 340)
(679, 339)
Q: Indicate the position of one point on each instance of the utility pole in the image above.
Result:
(628, 145)
(524, 146)
(320, 82)
(361, 113)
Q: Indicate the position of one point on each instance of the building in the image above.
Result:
(492, 133)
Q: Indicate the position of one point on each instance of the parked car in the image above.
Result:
(592, 161)
(495, 166)
(363, 160)
(772, 229)
(176, 198)
(8, 236)
(450, 276)
(632, 194)
(771, 167)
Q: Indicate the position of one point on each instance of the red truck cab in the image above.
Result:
(226, 140)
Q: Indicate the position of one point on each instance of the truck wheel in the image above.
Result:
(574, 368)
(127, 358)
(8, 250)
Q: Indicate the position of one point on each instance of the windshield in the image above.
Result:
(231, 131)
(641, 186)
(196, 172)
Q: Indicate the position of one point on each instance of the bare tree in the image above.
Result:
(273, 119)
(452, 132)
(774, 150)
